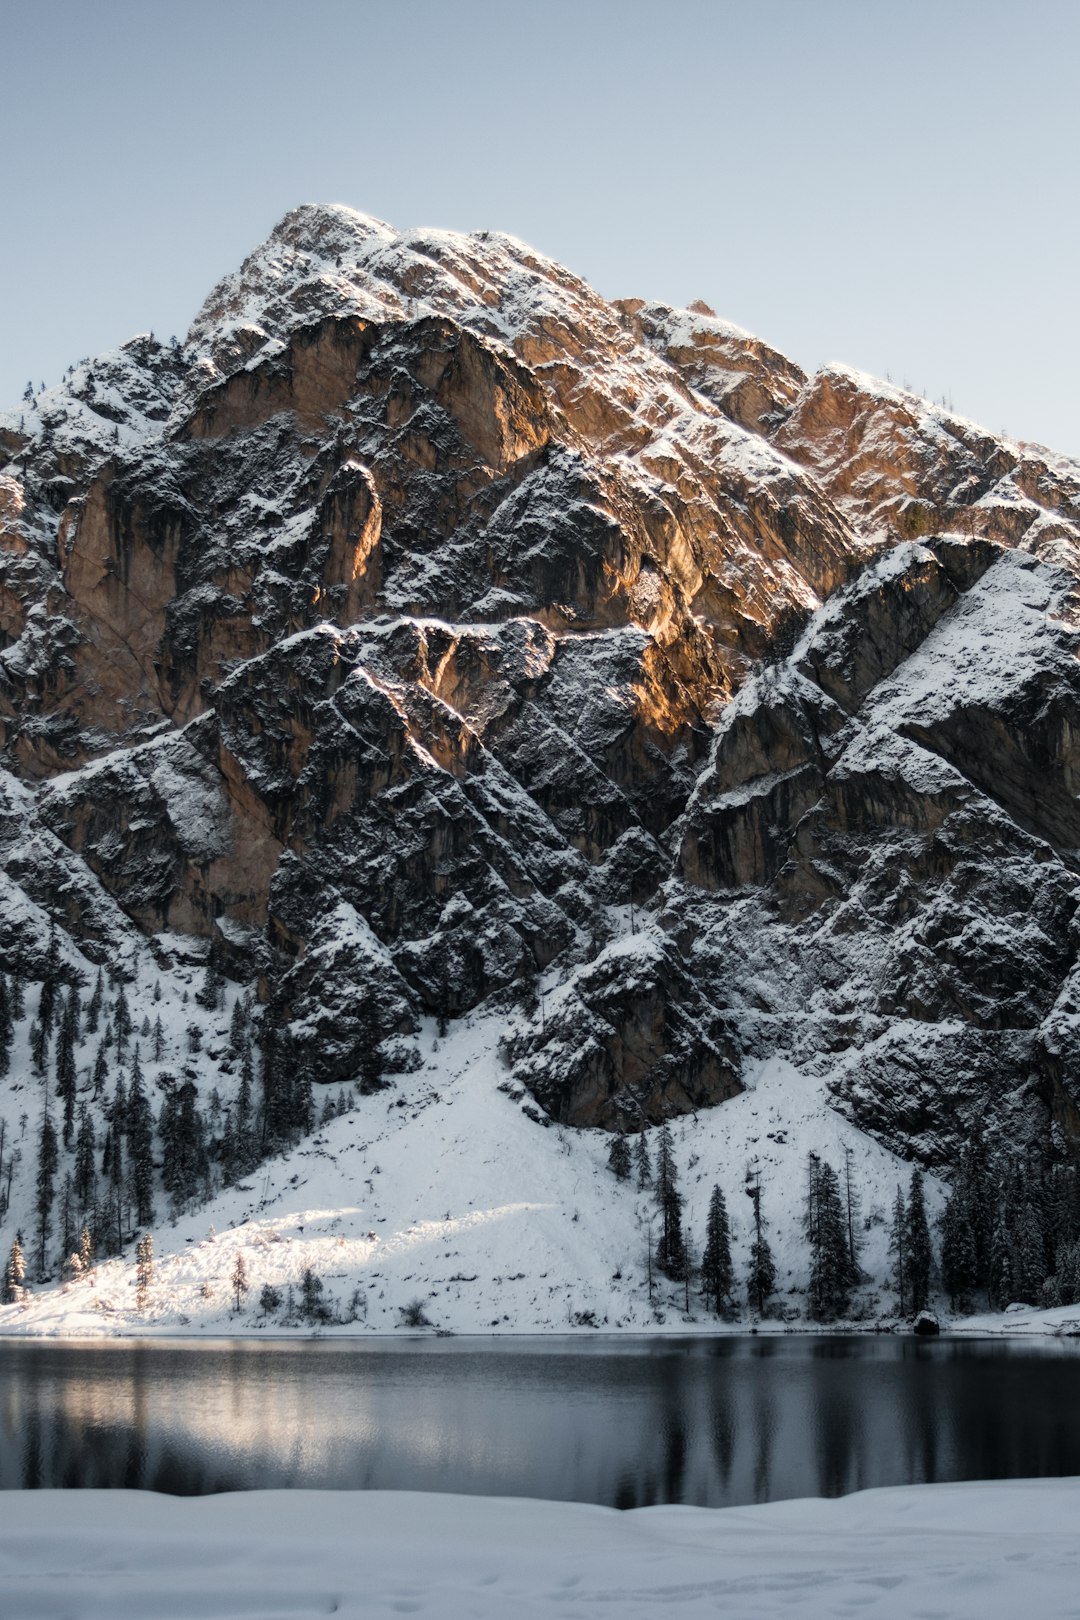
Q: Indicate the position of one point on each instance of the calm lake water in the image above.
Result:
(625, 1424)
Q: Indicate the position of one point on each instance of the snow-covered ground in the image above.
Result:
(444, 1191)
(958, 1552)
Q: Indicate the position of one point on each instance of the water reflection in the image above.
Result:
(630, 1424)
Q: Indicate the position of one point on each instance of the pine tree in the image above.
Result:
(244, 1142)
(211, 991)
(717, 1271)
(618, 1157)
(239, 1278)
(304, 1103)
(183, 1140)
(50, 983)
(6, 1026)
(851, 1211)
(94, 1005)
(14, 1272)
(311, 1302)
(671, 1257)
(761, 1278)
(86, 1249)
(118, 1118)
(18, 1001)
(831, 1273)
(122, 1023)
(140, 1135)
(1030, 1255)
(237, 1027)
(158, 1048)
(275, 1093)
(39, 1046)
(642, 1163)
(101, 1072)
(65, 1064)
(919, 1252)
(85, 1144)
(898, 1251)
(958, 1252)
(48, 1158)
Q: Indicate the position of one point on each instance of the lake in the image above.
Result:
(625, 1423)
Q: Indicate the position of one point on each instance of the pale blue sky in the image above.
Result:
(890, 185)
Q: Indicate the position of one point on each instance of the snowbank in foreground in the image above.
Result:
(981, 1551)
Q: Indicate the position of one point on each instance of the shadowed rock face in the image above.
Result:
(423, 613)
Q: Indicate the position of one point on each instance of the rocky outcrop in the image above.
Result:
(425, 623)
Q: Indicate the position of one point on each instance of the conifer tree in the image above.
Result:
(14, 1272)
(958, 1252)
(243, 1132)
(101, 1072)
(304, 1103)
(671, 1256)
(50, 983)
(210, 992)
(183, 1141)
(6, 1026)
(1030, 1262)
(48, 1158)
(122, 1023)
(919, 1252)
(761, 1278)
(18, 1001)
(831, 1273)
(851, 1211)
(641, 1162)
(618, 1157)
(39, 1046)
(65, 1064)
(717, 1271)
(158, 1047)
(898, 1251)
(237, 1027)
(86, 1249)
(140, 1135)
(94, 1005)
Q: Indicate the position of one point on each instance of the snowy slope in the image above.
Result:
(447, 1192)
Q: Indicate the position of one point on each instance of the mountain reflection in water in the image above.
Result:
(626, 1424)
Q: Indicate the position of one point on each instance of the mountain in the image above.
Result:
(426, 636)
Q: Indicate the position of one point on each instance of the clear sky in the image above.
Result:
(893, 185)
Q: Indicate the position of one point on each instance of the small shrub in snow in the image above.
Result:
(413, 1314)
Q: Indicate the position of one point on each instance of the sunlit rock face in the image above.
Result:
(423, 612)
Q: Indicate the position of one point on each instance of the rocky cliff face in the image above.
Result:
(424, 623)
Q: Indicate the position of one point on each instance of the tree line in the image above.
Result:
(1009, 1232)
(102, 1151)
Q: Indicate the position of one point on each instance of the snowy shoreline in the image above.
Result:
(974, 1551)
(1059, 1323)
